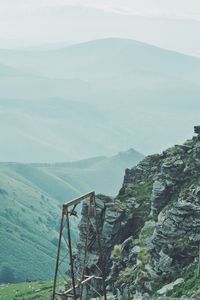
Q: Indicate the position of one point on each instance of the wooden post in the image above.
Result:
(58, 255)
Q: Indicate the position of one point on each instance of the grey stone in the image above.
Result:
(197, 129)
(151, 232)
(170, 286)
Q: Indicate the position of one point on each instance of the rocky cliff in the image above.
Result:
(151, 230)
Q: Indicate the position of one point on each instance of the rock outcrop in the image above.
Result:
(151, 230)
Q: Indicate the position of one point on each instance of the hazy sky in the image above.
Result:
(173, 24)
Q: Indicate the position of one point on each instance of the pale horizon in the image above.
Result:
(166, 24)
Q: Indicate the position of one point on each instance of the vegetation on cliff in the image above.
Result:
(151, 230)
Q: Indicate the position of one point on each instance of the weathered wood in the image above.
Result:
(78, 200)
(95, 277)
(79, 284)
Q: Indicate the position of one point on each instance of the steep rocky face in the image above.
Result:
(151, 230)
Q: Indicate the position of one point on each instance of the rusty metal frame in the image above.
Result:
(75, 292)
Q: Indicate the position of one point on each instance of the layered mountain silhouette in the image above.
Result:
(95, 98)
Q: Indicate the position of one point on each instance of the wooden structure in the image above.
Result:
(77, 276)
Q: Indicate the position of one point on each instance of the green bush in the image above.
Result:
(117, 252)
(126, 276)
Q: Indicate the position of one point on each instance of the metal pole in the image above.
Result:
(71, 255)
(58, 256)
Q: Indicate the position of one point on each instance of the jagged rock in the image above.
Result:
(163, 189)
(164, 265)
(135, 250)
(197, 129)
(170, 286)
(185, 148)
(159, 194)
(111, 297)
(140, 296)
(126, 245)
(155, 221)
(151, 272)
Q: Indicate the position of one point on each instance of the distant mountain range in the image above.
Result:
(30, 206)
(93, 98)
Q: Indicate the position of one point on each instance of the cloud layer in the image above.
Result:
(181, 9)
(172, 24)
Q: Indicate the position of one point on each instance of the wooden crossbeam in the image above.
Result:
(79, 284)
(95, 277)
(78, 200)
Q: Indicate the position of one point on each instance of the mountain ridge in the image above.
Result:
(128, 40)
(113, 87)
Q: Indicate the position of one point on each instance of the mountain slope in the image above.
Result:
(99, 174)
(28, 226)
(80, 97)
(30, 207)
(22, 83)
(9, 71)
(126, 60)
(107, 57)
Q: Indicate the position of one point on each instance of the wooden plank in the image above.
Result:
(95, 277)
(79, 284)
(78, 200)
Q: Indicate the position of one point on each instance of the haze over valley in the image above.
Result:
(95, 98)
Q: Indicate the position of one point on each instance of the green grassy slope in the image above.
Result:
(30, 206)
(26, 291)
(28, 226)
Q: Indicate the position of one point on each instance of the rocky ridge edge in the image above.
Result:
(151, 230)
